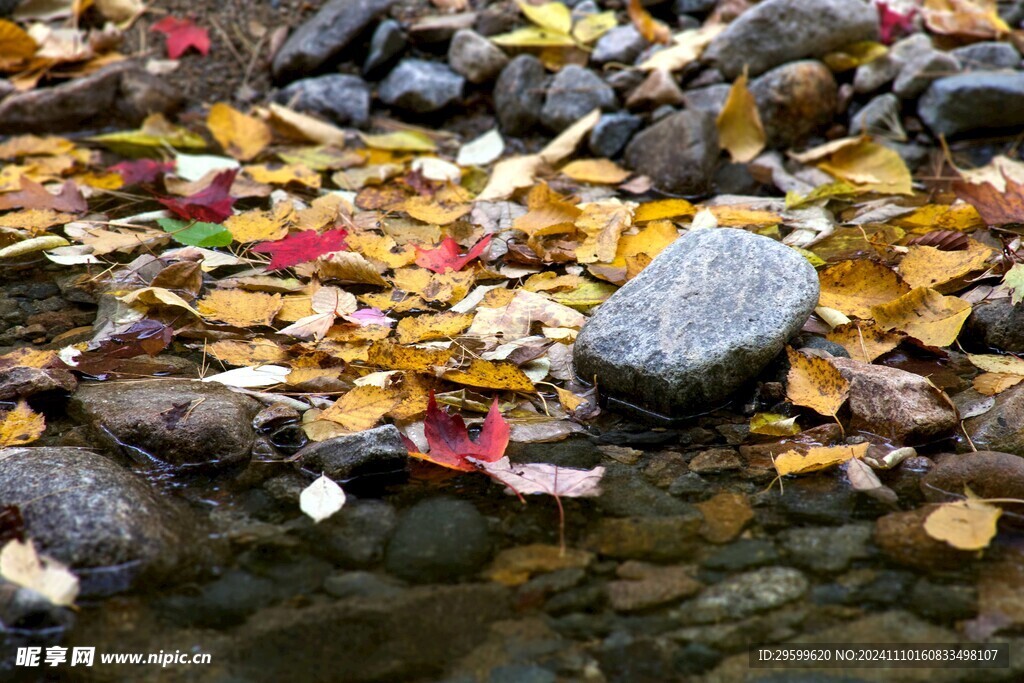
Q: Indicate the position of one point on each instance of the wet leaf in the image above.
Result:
(491, 375)
(817, 458)
(925, 266)
(251, 377)
(22, 565)
(240, 308)
(449, 441)
(535, 477)
(739, 124)
(20, 425)
(965, 524)
(864, 340)
(434, 326)
(992, 383)
(815, 383)
(321, 499)
(856, 287)
(361, 408)
(972, 19)
(771, 424)
(924, 314)
(1014, 280)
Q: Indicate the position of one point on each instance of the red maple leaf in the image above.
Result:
(449, 440)
(212, 205)
(892, 24)
(142, 170)
(447, 255)
(302, 246)
(181, 35)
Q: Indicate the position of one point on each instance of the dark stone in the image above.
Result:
(701, 320)
(343, 99)
(438, 540)
(795, 100)
(973, 101)
(475, 57)
(622, 45)
(988, 474)
(421, 86)
(743, 554)
(678, 153)
(826, 549)
(574, 92)
(902, 538)
(999, 325)
(356, 535)
(656, 539)
(612, 133)
(1002, 427)
(325, 36)
(519, 95)
(386, 46)
(944, 602)
(373, 451)
(987, 56)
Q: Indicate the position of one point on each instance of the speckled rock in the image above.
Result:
(421, 86)
(1002, 427)
(703, 318)
(678, 152)
(179, 422)
(998, 324)
(746, 594)
(342, 98)
(373, 451)
(780, 31)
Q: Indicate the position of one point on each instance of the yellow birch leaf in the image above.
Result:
(688, 47)
(157, 296)
(27, 357)
(743, 217)
(817, 458)
(433, 326)
(603, 223)
(240, 308)
(864, 340)
(553, 16)
(636, 251)
(256, 226)
(931, 267)
(515, 319)
(925, 314)
(35, 220)
(854, 55)
(284, 174)
(382, 249)
(400, 141)
(992, 383)
(295, 308)
(361, 408)
(771, 424)
(247, 353)
(991, 362)
(856, 287)
(510, 175)
(965, 524)
(20, 425)
(925, 219)
(349, 266)
(871, 167)
(815, 383)
(430, 210)
(415, 395)
(663, 208)
(595, 171)
(593, 26)
(390, 356)
(241, 136)
(739, 124)
(487, 374)
(393, 301)
(15, 44)
(650, 28)
(569, 400)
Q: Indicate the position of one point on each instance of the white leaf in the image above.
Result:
(538, 477)
(322, 498)
(436, 169)
(192, 167)
(249, 377)
(20, 564)
(315, 326)
(481, 151)
(333, 300)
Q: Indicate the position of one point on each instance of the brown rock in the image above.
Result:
(895, 404)
(1002, 427)
(795, 100)
(716, 460)
(725, 515)
(902, 538)
(646, 538)
(657, 89)
(989, 474)
(20, 382)
(759, 455)
(647, 585)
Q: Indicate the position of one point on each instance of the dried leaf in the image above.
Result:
(815, 383)
(433, 326)
(925, 314)
(240, 308)
(864, 340)
(595, 171)
(739, 124)
(817, 458)
(361, 408)
(965, 524)
(535, 477)
(925, 266)
(321, 499)
(491, 375)
(21, 565)
(856, 287)
(20, 425)
(241, 136)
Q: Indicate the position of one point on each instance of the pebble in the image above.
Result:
(643, 586)
(341, 98)
(356, 535)
(973, 101)
(656, 539)
(573, 93)
(902, 538)
(626, 493)
(998, 324)
(180, 422)
(745, 553)
(779, 31)
(987, 56)
(988, 474)
(421, 86)
(475, 57)
(519, 95)
(438, 540)
(876, 117)
(622, 45)
(689, 330)
(360, 585)
(746, 594)
(794, 101)
(678, 153)
(943, 602)
(725, 516)
(386, 46)
(612, 133)
(20, 382)
(918, 73)
(876, 73)
(324, 36)
(715, 461)
(826, 549)
(658, 89)
(374, 451)
(1002, 427)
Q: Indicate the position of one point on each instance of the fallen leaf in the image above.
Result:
(603, 224)
(257, 226)
(15, 44)
(771, 424)
(212, 205)
(662, 209)
(817, 458)
(240, 308)
(241, 136)
(361, 408)
(815, 383)
(965, 524)
(856, 287)
(400, 141)
(449, 441)
(535, 477)
(157, 296)
(864, 340)
(20, 425)
(302, 247)
(687, 48)
(482, 150)
(182, 34)
(995, 190)
(925, 266)
(739, 124)
(992, 383)
(321, 499)
(196, 233)
(21, 565)
(446, 256)
(491, 375)
(965, 19)
(595, 171)
(924, 314)
(251, 377)
(515, 319)
(893, 23)
(34, 196)
(650, 28)
(246, 353)
(432, 326)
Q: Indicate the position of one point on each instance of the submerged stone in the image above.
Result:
(701, 320)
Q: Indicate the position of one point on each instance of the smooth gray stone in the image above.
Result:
(323, 37)
(988, 56)
(678, 152)
(779, 31)
(343, 99)
(421, 86)
(574, 92)
(372, 451)
(973, 101)
(387, 43)
(701, 320)
(612, 132)
(519, 95)
(475, 57)
(622, 44)
(918, 73)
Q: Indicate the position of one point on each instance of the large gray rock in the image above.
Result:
(612, 132)
(678, 153)
(780, 31)
(918, 73)
(179, 422)
(323, 37)
(373, 451)
(342, 98)
(573, 94)
(89, 512)
(519, 94)
(421, 86)
(973, 101)
(701, 320)
(988, 56)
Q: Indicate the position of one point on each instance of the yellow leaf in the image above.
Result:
(20, 425)
(33, 145)
(743, 217)
(491, 375)
(595, 171)
(929, 217)
(771, 424)
(35, 220)
(247, 353)
(569, 400)
(974, 19)
(348, 266)
(534, 36)
(157, 296)
(965, 524)
(241, 136)
(856, 287)
(929, 267)
(992, 383)
(240, 308)
(256, 226)
(854, 55)
(817, 458)
(663, 208)
(381, 249)
(925, 314)
(569, 139)
(284, 174)
(688, 47)
(991, 362)
(650, 28)
(292, 124)
(864, 340)
(553, 16)
(603, 223)
(515, 319)
(361, 408)
(431, 210)
(390, 356)
(870, 166)
(739, 123)
(635, 251)
(433, 326)
(27, 357)
(15, 44)
(510, 175)
(402, 141)
(815, 383)
(593, 26)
